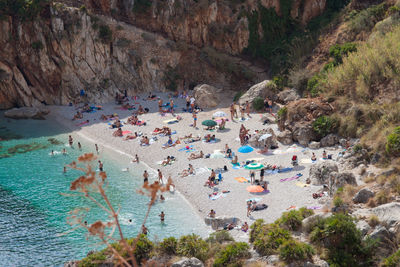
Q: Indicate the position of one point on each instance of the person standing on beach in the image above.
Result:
(162, 216)
(136, 159)
(249, 209)
(70, 140)
(79, 146)
(97, 148)
(187, 103)
(192, 101)
(232, 110)
(145, 177)
(171, 105)
(252, 177)
(100, 166)
(160, 105)
(248, 109)
(160, 176)
(262, 174)
(194, 119)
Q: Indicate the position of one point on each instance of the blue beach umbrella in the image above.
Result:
(245, 149)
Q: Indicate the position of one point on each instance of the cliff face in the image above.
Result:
(53, 58)
(221, 24)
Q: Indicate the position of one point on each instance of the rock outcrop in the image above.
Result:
(188, 262)
(206, 96)
(261, 90)
(363, 195)
(263, 138)
(68, 49)
(27, 113)
(220, 222)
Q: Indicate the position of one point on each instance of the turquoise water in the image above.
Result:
(33, 212)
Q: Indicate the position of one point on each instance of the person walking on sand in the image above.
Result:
(162, 216)
(70, 140)
(160, 177)
(97, 148)
(145, 177)
(100, 166)
(194, 119)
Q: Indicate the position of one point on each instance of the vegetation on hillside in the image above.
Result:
(22, 9)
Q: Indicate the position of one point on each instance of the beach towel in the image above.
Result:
(285, 170)
(256, 199)
(126, 132)
(260, 207)
(211, 141)
(171, 121)
(271, 171)
(314, 207)
(291, 207)
(186, 148)
(82, 123)
(300, 184)
(306, 161)
(241, 180)
(297, 176)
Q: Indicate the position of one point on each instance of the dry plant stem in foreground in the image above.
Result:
(91, 186)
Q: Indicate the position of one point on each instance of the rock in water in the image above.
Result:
(363, 196)
(27, 113)
(206, 96)
(186, 262)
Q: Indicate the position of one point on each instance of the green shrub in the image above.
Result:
(83, 8)
(291, 220)
(393, 260)
(270, 238)
(279, 81)
(256, 229)
(37, 45)
(105, 34)
(313, 84)
(93, 260)
(393, 142)
(237, 96)
(231, 254)
(337, 52)
(292, 250)
(168, 246)
(143, 248)
(324, 125)
(171, 77)
(192, 246)
(258, 103)
(141, 6)
(338, 202)
(22, 9)
(343, 241)
(366, 19)
(282, 112)
(220, 237)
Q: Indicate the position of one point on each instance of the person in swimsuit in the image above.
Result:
(160, 105)
(145, 177)
(70, 140)
(97, 148)
(160, 176)
(194, 119)
(162, 216)
(100, 166)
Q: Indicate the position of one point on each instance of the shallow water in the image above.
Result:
(33, 212)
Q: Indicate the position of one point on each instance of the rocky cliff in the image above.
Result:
(68, 49)
(221, 24)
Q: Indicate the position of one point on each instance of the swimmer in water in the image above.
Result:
(70, 140)
(100, 166)
(79, 146)
(52, 152)
(162, 216)
(64, 151)
(65, 169)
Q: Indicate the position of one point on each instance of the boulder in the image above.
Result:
(272, 259)
(363, 195)
(388, 213)
(288, 95)
(314, 145)
(341, 179)
(285, 137)
(257, 140)
(303, 134)
(27, 113)
(320, 172)
(329, 140)
(186, 262)
(206, 96)
(262, 90)
(363, 226)
(267, 118)
(220, 222)
(384, 238)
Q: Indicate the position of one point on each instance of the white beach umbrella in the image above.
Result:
(219, 114)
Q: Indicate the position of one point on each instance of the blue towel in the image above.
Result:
(285, 170)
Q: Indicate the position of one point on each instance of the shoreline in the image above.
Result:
(101, 143)
(282, 195)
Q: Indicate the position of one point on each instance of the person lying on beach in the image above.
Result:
(151, 96)
(78, 116)
(192, 140)
(208, 138)
(313, 157)
(196, 156)
(131, 136)
(264, 150)
(167, 160)
(186, 136)
(188, 171)
(133, 120)
(86, 108)
(245, 227)
(118, 133)
(140, 110)
(210, 182)
(235, 160)
(116, 124)
(127, 106)
(144, 141)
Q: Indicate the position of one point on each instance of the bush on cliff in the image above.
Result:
(292, 250)
(168, 246)
(268, 238)
(393, 260)
(324, 125)
(232, 254)
(192, 246)
(343, 241)
(393, 142)
(291, 220)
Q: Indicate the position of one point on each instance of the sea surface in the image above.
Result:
(34, 207)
